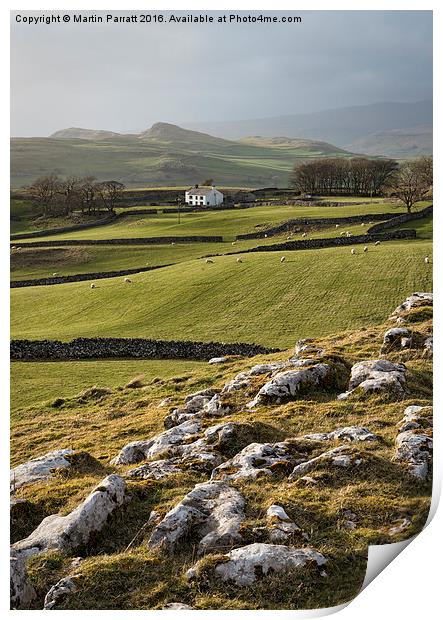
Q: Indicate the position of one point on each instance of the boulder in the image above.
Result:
(156, 469)
(137, 451)
(177, 606)
(415, 417)
(290, 383)
(21, 591)
(66, 533)
(40, 468)
(428, 346)
(254, 460)
(337, 457)
(307, 347)
(218, 360)
(393, 337)
(59, 591)
(215, 408)
(280, 526)
(415, 450)
(347, 433)
(375, 376)
(245, 565)
(414, 301)
(213, 511)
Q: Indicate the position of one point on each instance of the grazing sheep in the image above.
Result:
(377, 243)
(427, 261)
(337, 226)
(55, 274)
(283, 258)
(304, 234)
(209, 260)
(353, 251)
(362, 224)
(239, 260)
(147, 263)
(342, 233)
(128, 280)
(266, 236)
(365, 249)
(93, 285)
(172, 243)
(233, 243)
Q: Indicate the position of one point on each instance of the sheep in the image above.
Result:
(353, 251)
(337, 226)
(427, 260)
(233, 243)
(342, 233)
(127, 280)
(55, 274)
(239, 260)
(362, 224)
(266, 236)
(209, 260)
(93, 285)
(304, 234)
(172, 243)
(377, 243)
(283, 258)
(365, 249)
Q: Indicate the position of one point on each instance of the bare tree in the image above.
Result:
(70, 189)
(87, 191)
(43, 193)
(109, 193)
(410, 184)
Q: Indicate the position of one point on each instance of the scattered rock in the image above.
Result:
(156, 470)
(414, 301)
(254, 460)
(215, 408)
(166, 402)
(428, 346)
(399, 526)
(280, 525)
(21, 591)
(348, 433)
(416, 450)
(59, 591)
(415, 417)
(376, 375)
(137, 451)
(213, 511)
(39, 468)
(218, 360)
(306, 347)
(177, 606)
(393, 337)
(244, 565)
(337, 457)
(66, 533)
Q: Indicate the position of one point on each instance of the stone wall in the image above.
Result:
(62, 229)
(129, 241)
(123, 348)
(291, 224)
(401, 219)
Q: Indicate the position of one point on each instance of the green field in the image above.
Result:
(315, 292)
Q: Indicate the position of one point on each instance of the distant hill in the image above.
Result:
(164, 154)
(396, 143)
(344, 127)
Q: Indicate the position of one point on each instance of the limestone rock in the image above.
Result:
(399, 526)
(376, 375)
(280, 525)
(307, 347)
(415, 417)
(156, 469)
(416, 450)
(414, 301)
(243, 566)
(215, 408)
(218, 360)
(66, 533)
(177, 606)
(137, 451)
(393, 337)
(290, 383)
(213, 511)
(347, 433)
(59, 591)
(39, 468)
(21, 591)
(254, 460)
(428, 346)
(337, 457)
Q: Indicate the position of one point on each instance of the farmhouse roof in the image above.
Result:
(200, 191)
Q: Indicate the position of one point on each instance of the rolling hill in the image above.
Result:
(165, 154)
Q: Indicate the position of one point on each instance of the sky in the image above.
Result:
(126, 76)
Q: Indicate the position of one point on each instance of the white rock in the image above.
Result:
(429, 345)
(66, 533)
(399, 526)
(21, 591)
(245, 564)
(394, 335)
(376, 375)
(347, 433)
(415, 417)
(254, 460)
(337, 457)
(218, 360)
(306, 346)
(289, 383)
(59, 591)
(414, 301)
(416, 450)
(280, 526)
(213, 511)
(156, 469)
(39, 468)
(137, 451)
(214, 408)
(177, 606)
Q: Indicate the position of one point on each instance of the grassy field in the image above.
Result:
(35, 382)
(315, 292)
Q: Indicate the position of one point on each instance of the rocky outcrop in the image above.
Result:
(337, 457)
(245, 565)
(376, 376)
(395, 338)
(415, 417)
(416, 300)
(22, 592)
(280, 526)
(415, 449)
(347, 433)
(66, 533)
(256, 459)
(59, 591)
(212, 511)
(40, 468)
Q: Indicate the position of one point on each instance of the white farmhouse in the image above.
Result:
(203, 197)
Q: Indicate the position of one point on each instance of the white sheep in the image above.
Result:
(239, 260)
(233, 243)
(127, 280)
(342, 233)
(209, 260)
(365, 249)
(353, 251)
(377, 243)
(55, 274)
(172, 243)
(283, 258)
(427, 260)
(337, 226)
(266, 236)
(362, 224)
(93, 285)
(304, 234)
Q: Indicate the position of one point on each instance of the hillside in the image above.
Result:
(165, 154)
(349, 127)
(396, 143)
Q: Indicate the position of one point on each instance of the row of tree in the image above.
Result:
(52, 195)
(359, 176)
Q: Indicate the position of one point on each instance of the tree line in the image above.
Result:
(53, 196)
(409, 181)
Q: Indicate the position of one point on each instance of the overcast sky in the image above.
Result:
(126, 77)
